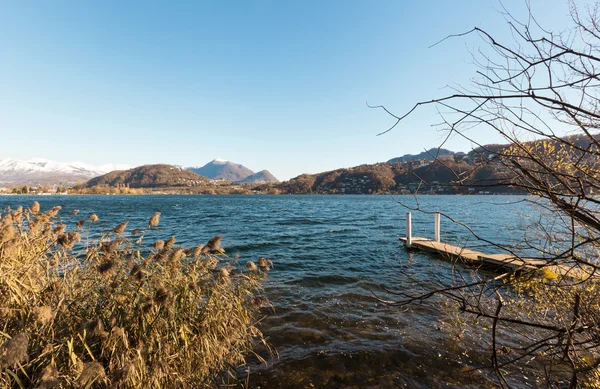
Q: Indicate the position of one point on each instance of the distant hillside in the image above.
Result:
(429, 155)
(222, 170)
(148, 176)
(364, 179)
(482, 170)
(262, 177)
(453, 173)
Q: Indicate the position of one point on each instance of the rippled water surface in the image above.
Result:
(331, 253)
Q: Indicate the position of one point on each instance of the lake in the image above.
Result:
(331, 255)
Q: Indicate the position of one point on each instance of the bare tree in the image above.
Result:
(541, 92)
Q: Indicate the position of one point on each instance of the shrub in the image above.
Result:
(113, 312)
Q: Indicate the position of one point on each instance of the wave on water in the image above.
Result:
(251, 247)
(343, 230)
(324, 280)
(293, 222)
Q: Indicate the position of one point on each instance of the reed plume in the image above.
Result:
(264, 263)
(17, 214)
(177, 254)
(251, 266)
(214, 244)
(170, 242)
(154, 219)
(223, 276)
(198, 250)
(137, 272)
(43, 315)
(53, 211)
(68, 240)
(7, 232)
(161, 295)
(120, 228)
(14, 351)
(92, 372)
(49, 378)
(107, 266)
(35, 207)
(59, 229)
(110, 246)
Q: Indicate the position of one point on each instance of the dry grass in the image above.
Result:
(76, 312)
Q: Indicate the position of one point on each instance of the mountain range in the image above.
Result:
(167, 179)
(396, 175)
(39, 171)
(220, 169)
(482, 170)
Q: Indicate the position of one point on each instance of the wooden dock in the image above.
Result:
(498, 263)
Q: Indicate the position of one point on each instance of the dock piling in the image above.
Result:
(408, 229)
(436, 219)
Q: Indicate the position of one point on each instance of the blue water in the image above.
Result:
(331, 254)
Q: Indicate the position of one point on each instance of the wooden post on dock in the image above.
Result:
(436, 219)
(408, 229)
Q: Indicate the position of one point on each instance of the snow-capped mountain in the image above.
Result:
(37, 171)
(216, 161)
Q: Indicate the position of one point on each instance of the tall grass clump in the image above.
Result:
(114, 312)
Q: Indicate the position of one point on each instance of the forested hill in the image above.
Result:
(423, 176)
(263, 176)
(433, 171)
(429, 155)
(148, 176)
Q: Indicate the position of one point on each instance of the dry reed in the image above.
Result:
(110, 313)
(120, 228)
(154, 220)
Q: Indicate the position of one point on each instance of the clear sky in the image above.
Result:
(277, 85)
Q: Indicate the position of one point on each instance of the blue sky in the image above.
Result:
(277, 85)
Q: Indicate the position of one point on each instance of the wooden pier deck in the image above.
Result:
(499, 263)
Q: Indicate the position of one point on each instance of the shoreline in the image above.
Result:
(263, 194)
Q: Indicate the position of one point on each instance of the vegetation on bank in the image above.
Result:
(85, 307)
(538, 91)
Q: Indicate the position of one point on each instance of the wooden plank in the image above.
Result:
(444, 249)
(494, 262)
